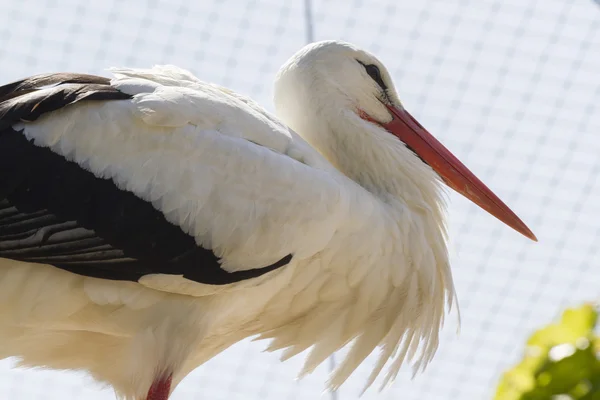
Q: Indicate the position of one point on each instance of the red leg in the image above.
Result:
(160, 389)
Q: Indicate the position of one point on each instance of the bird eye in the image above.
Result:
(375, 74)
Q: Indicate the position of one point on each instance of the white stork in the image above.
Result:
(151, 220)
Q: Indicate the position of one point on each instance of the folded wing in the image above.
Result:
(153, 174)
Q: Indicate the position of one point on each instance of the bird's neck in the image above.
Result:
(384, 166)
(367, 154)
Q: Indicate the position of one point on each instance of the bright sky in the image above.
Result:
(510, 86)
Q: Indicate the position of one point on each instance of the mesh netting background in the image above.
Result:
(512, 87)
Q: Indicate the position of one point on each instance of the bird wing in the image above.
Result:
(155, 173)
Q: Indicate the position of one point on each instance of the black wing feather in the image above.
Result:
(52, 211)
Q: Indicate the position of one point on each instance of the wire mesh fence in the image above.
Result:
(512, 87)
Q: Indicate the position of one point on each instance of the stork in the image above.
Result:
(151, 220)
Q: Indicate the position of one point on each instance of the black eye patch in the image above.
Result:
(375, 74)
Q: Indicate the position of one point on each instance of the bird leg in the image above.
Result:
(160, 389)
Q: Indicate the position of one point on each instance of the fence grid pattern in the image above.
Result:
(510, 86)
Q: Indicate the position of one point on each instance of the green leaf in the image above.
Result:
(575, 323)
(580, 321)
(564, 375)
(560, 359)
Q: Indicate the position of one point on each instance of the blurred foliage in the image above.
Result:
(560, 362)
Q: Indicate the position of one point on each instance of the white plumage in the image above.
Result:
(360, 213)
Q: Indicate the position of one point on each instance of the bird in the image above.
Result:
(150, 220)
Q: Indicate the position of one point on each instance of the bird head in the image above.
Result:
(333, 81)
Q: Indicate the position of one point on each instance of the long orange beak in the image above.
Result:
(450, 169)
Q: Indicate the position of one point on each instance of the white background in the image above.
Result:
(511, 87)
